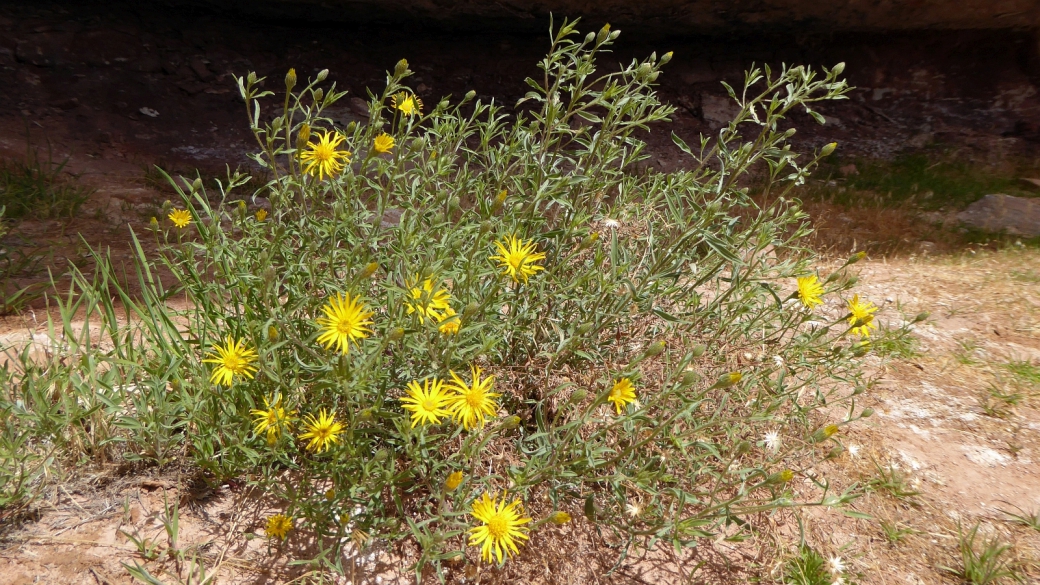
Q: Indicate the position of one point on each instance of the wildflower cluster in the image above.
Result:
(479, 325)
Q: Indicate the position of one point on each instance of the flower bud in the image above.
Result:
(828, 149)
(272, 333)
(666, 58)
(268, 275)
(613, 35)
(690, 378)
(921, 316)
(730, 379)
(824, 433)
(511, 423)
(500, 199)
(859, 390)
(485, 227)
(790, 132)
(644, 71)
(852, 280)
(454, 203)
(303, 135)
(590, 37)
(835, 452)
(743, 448)
(603, 33)
(453, 481)
(584, 328)
(856, 257)
(443, 105)
(470, 310)
(381, 455)
(330, 494)
(167, 207)
(154, 222)
(653, 76)
(780, 477)
(579, 395)
(401, 68)
(560, 518)
(261, 215)
(366, 415)
(369, 270)
(588, 240)
(396, 334)
(698, 350)
(654, 349)
(290, 79)
(322, 75)
(838, 68)
(175, 385)
(242, 207)
(867, 413)
(318, 94)
(470, 95)
(861, 348)
(590, 507)
(196, 184)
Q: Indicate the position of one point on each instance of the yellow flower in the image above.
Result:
(273, 419)
(180, 217)
(407, 104)
(233, 359)
(346, 320)
(502, 526)
(622, 393)
(428, 402)
(861, 320)
(261, 215)
(454, 481)
(517, 259)
(560, 518)
(323, 158)
(810, 291)
(427, 303)
(278, 526)
(383, 143)
(322, 431)
(449, 322)
(472, 403)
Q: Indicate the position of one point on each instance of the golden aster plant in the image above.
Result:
(321, 432)
(427, 403)
(450, 323)
(622, 394)
(272, 420)
(861, 318)
(810, 291)
(425, 302)
(406, 103)
(324, 157)
(346, 322)
(232, 359)
(180, 218)
(278, 526)
(501, 527)
(383, 143)
(473, 402)
(517, 258)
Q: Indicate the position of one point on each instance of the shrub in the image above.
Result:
(451, 325)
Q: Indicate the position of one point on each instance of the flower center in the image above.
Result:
(232, 363)
(345, 327)
(475, 398)
(323, 152)
(497, 526)
(516, 260)
(429, 405)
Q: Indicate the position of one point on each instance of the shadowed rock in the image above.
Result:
(1003, 213)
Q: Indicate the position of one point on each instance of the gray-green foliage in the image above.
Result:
(633, 260)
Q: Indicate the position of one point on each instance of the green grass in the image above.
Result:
(899, 343)
(895, 532)
(1024, 371)
(808, 567)
(35, 187)
(984, 563)
(921, 179)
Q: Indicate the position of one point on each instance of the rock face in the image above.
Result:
(995, 213)
(675, 16)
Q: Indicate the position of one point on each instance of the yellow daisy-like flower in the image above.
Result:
(346, 320)
(427, 403)
(426, 302)
(383, 143)
(862, 318)
(449, 322)
(261, 215)
(622, 393)
(517, 259)
(810, 291)
(323, 158)
(180, 218)
(474, 402)
(232, 359)
(273, 419)
(322, 432)
(407, 104)
(453, 481)
(502, 525)
(278, 526)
